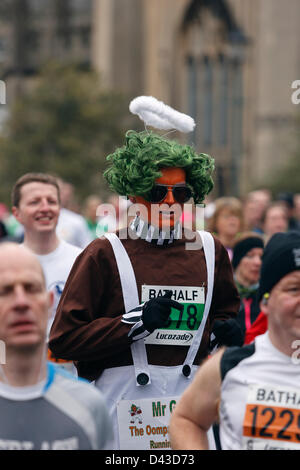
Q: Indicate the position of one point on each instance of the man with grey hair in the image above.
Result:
(254, 390)
(41, 406)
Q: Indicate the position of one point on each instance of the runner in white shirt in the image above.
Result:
(36, 205)
(72, 228)
(56, 266)
(253, 391)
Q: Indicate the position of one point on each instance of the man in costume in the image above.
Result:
(139, 308)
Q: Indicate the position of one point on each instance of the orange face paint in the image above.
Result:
(167, 212)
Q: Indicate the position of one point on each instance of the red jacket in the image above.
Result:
(259, 327)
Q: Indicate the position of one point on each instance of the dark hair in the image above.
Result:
(245, 243)
(32, 178)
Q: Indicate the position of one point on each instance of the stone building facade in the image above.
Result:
(228, 63)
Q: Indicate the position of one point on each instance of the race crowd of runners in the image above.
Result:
(154, 330)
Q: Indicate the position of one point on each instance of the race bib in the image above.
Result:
(144, 423)
(181, 326)
(272, 419)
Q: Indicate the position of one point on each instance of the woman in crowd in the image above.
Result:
(227, 221)
(246, 263)
(275, 219)
(90, 214)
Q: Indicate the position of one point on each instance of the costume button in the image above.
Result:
(186, 370)
(142, 379)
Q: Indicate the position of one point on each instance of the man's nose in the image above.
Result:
(21, 299)
(44, 205)
(258, 260)
(169, 199)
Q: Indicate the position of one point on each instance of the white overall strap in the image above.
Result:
(209, 253)
(131, 300)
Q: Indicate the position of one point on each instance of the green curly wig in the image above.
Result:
(135, 166)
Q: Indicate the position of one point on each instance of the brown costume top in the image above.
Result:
(88, 328)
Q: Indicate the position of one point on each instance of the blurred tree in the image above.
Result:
(66, 124)
(288, 178)
(6, 8)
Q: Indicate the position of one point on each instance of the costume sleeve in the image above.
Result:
(87, 324)
(226, 300)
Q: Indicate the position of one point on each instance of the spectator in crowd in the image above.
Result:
(3, 215)
(297, 207)
(275, 219)
(254, 207)
(209, 207)
(254, 390)
(115, 315)
(287, 198)
(276, 222)
(246, 263)
(113, 214)
(36, 205)
(71, 226)
(41, 407)
(120, 205)
(91, 205)
(10, 228)
(227, 222)
(3, 231)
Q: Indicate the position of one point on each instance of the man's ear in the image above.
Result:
(264, 305)
(50, 294)
(15, 212)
